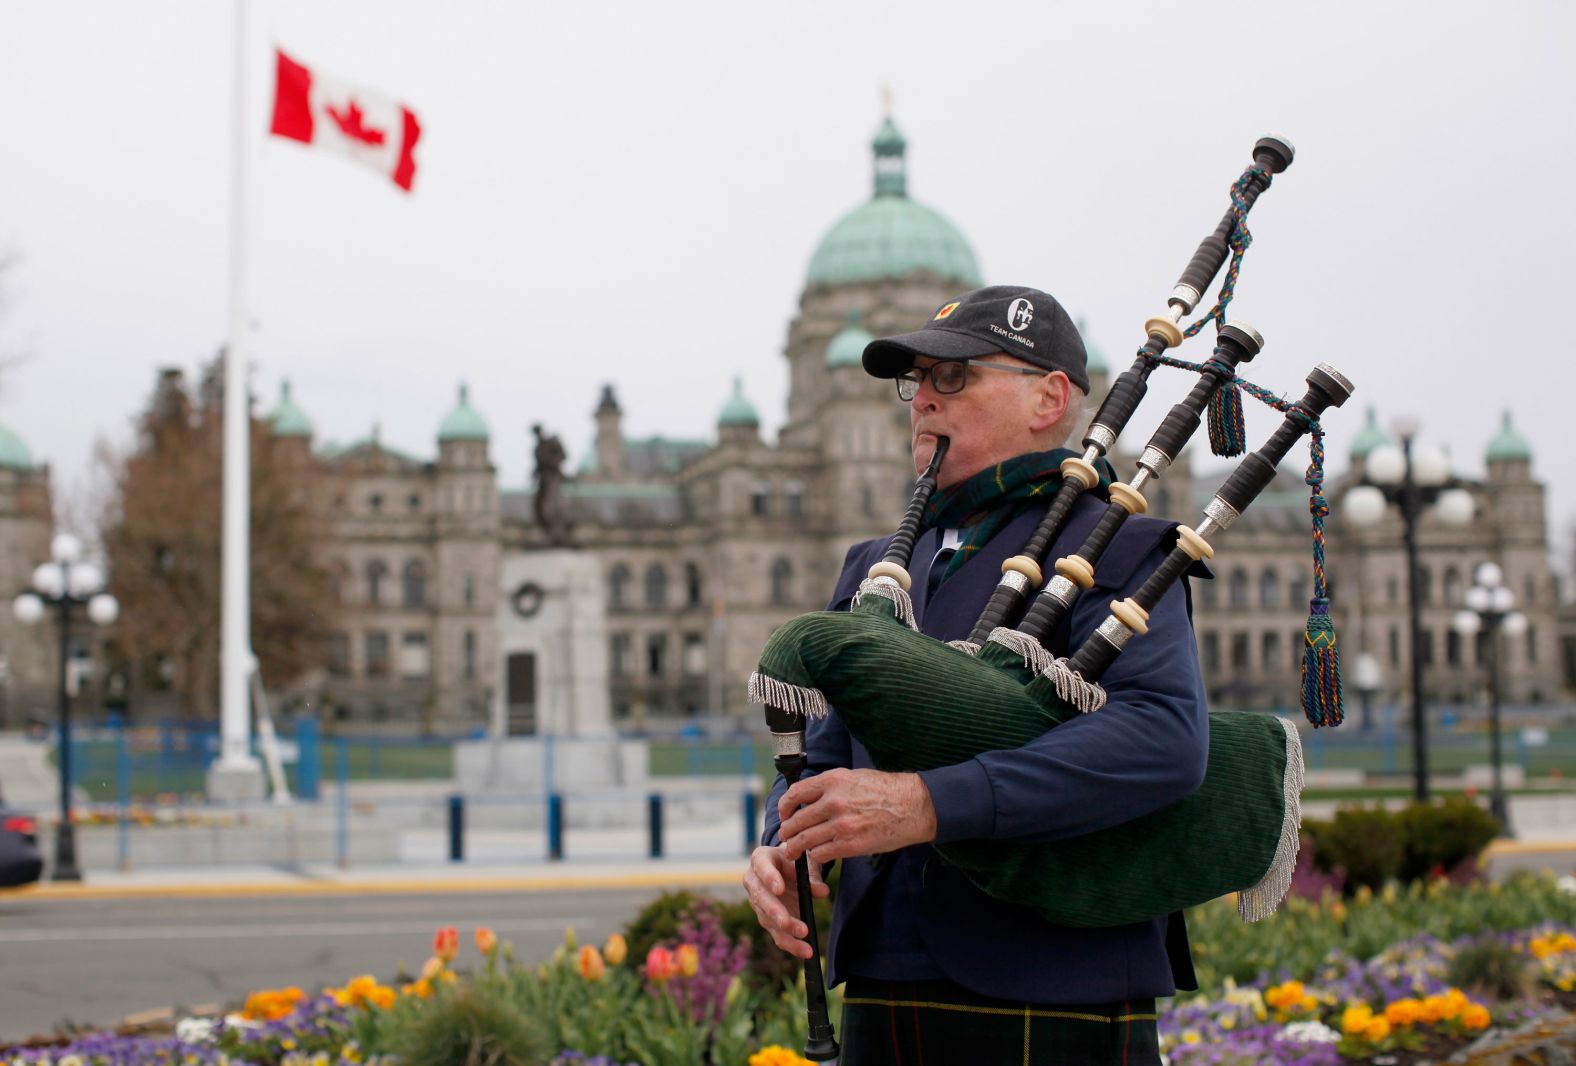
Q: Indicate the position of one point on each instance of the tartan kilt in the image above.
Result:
(912, 1023)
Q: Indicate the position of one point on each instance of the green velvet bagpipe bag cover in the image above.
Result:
(915, 704)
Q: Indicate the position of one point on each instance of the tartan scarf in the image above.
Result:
(986, 502)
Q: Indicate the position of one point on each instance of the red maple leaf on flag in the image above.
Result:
(351, 123)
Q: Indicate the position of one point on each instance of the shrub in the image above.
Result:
(1492, 967)
(1445, 837)
(1364, 842)
(474, 1024)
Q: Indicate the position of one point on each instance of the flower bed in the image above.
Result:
(1401, 976)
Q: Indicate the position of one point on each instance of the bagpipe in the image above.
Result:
(917, 703)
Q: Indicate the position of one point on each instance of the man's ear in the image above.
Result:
(1052, 394)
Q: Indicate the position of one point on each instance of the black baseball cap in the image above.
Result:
(1025, 323)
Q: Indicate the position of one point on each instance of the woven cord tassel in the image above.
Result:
(1321, 659)
(1227, 434)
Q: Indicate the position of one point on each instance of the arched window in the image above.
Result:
(1452, 586)
(1452, 643)
(1239, 587)
(760, 498)
(618, 587)
(1208, 594)
(377, 574)
(468, 651)
(1269, 589)
(782, 575)
(1297, 589)
(656, 586)
(793, 499)
(415, 584)
(694, 588)
(1425, 584)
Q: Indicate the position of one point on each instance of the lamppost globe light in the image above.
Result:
(28, 609)
(103, 609)
(49, 580)
(1456, 507)
(1404, 426)
(1503, 599)
(85, 579)
(1489, 575)
(1366, 673)
(1386, 465)
(1514, 624)
(1479, 598)
(1430, 466)
(1468, 623)
(1364, 505)
(65, 548)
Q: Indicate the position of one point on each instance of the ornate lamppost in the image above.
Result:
(1367, 678)
(1491, 609)
(1412, 480)
(65, 583)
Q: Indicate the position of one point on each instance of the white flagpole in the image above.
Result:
(235, 755)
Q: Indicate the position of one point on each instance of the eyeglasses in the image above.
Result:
(950, 376)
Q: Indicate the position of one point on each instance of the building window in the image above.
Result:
(1297, 590)
(375, 502)
(694, 655)
(619, 650)
(1392, 590)
(1241, 655)
(413, 501)
(377, 572)
(1531, 587)
(1425, 585)
(694, 588)
(656, 586)
(415, 587)
(377, 644)
(867, 503)
(1298, 642)
(618, 587)
(657, 655)
(415, 658)
(1269, 589)
(1208, 592)
(1269, 651)
(1452, 586)
(1532, 645)
(1452, 643)
(782, 576)
(338, 655)
(1211, 650)
(339, 582)
(793, 499)
(1239, 587)
(1395, 646)
(470, 590)
(1427, 646)
(760, 498)
(468, 655)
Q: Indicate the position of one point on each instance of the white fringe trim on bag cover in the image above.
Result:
(1262, 899)
(1087, 696)
(1031, 651)
(888, 589)
(795, 699)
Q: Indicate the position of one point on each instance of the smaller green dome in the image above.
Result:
(1093, 357)
(13, 452)
(463, 423)
(1508, 444)
(848, 347)
(738, 411)
(286, 418)
(1369, 437)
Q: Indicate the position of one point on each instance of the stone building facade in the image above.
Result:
(28, 660)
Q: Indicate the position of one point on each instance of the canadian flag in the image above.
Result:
(363, 124)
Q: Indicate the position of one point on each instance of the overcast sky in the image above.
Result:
(631, 193)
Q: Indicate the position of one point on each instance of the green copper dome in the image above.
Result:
(890, 235)
(463, 422)
(1093, 357)
(286, 418)
(848, 347)
(1369, 437)
(13, 452)
(737, 411)
(1508, 444)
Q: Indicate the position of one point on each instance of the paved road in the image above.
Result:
(95, 961)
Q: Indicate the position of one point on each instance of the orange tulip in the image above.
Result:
(591, 965)
(660, 965)
(446, 943)
(688, 959)
(431, 968)
(486, 940)
(616, 949)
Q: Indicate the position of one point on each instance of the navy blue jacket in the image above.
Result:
(1146, 748)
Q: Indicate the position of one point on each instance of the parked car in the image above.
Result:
(20, 860)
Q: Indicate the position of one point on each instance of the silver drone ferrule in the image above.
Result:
(787, 744)
(1114, 632)
(1014, 580)
(1218, 517)
(1183, 299)
(1154, 460)
(1099, 437)
(1061, 590)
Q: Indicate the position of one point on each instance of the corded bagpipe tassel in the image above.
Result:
(1228, 436)
(1321, 659)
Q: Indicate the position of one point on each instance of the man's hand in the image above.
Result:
(770, 883)
(842, 813)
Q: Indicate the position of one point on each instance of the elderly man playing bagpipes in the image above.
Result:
(935, 968)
